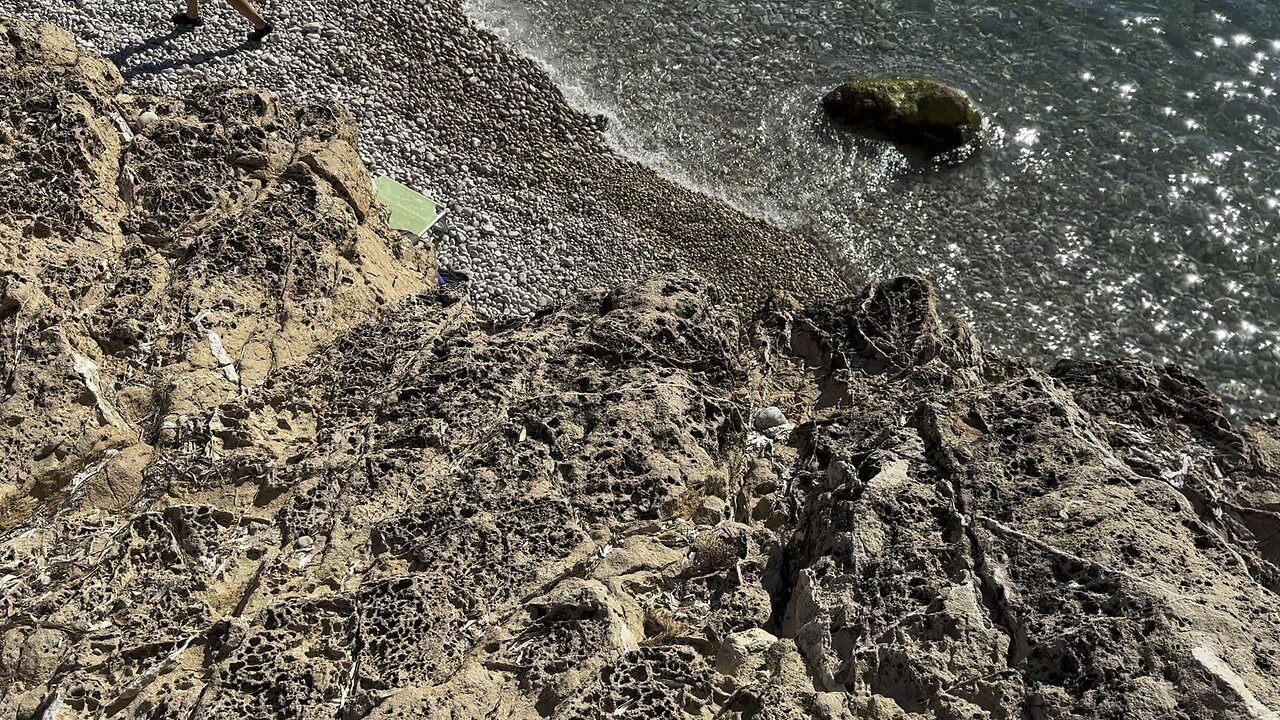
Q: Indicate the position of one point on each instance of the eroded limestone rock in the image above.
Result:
(152, 270)
(411, 512)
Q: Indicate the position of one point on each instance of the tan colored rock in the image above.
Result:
(254, 465)
(165, 272)
(338, 163)
(742, 650)
(40, 656)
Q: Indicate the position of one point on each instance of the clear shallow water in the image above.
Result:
(1128, 204)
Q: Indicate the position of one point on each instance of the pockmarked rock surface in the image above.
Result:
(539, 204)
(398, 508)
(922, 114)
(158, 256)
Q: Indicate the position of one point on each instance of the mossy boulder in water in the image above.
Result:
(924, 114)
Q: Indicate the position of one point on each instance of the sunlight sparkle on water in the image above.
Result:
(1140, 20)
(1171, 178)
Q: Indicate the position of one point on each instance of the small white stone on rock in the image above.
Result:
(769, 417)
(305, 542)
(738, 649)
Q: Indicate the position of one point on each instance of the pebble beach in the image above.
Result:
(1135, 217)
(539, 205)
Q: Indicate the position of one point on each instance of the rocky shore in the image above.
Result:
(255, 464)
(539, 205)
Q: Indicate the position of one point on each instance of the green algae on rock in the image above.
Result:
(918, 113)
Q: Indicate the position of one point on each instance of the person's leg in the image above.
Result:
(250, 13)
(190, 18)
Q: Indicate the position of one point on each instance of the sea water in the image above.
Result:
(1127, 201)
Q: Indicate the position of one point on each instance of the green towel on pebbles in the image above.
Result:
(411, 211)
